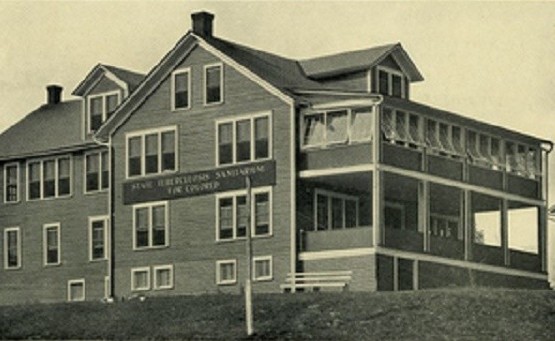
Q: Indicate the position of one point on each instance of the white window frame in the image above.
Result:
(46, 227)
(390, 72)
(6, 166)
(221, 281)
(103, 95)
(150, 205)
(56, 177)
(271, 267)
(446, 218)
(205, 84)
(350, 139)
(134, 285)
(527, 172)
(175, 73)
(142, 134)
(100, 166)
(233, 195)
(333, 195)
(409, 140)
(6, 248)
(72, 282)
(157, 268)
(233, 120)
(448, 150)
(93, 219)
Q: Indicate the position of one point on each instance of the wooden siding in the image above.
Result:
(34, 282)
(104, 85)
(363, 268)
(336, 157)
(192, 244)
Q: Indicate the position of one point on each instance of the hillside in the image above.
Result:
(422, 315)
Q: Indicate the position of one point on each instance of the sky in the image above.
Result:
(492, 61)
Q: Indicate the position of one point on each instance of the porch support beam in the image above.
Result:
(467, 225)
(505, 231)
(377, 190)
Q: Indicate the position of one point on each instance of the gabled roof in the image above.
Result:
(54, 127)
(352, 61)
(131, 79)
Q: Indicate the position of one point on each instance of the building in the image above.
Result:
(138, 186)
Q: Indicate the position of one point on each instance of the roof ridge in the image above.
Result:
(389, 46)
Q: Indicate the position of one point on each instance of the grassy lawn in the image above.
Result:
(421, 315)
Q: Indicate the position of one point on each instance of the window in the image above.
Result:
(76, 290)
(140, 279)
(181, 85)
(394, 215)
(401, 128)
(522, 160)
(232, 214)
(213, 84)
(49, 178)
(97, 174)
(97, 237)
(150, 223)
(11, 182)
(444, 138)
(334, 210)
(243, 139)
(484, 150)
(262, 268)
(163, 277)
(226, 271)
(337, 127)
(152, 152)
(445, 226)
(391, 82)
(51, 244)
(12, 248)
(101, 107)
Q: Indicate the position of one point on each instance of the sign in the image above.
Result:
(175, 186)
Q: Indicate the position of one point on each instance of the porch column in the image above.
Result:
(467, 225)
(542, 233)
(377, 188)
(505, 231)
(424, 212)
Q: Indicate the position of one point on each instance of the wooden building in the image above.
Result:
(138, 186)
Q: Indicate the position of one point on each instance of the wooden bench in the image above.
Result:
(317, 280)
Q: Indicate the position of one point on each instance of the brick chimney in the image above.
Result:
(202, 23)
(54, 93)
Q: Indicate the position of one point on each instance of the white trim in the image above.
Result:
(41, 161)
(45, 228)
(244, 70)
(219, 280)
(149, 206)
(205, 84)
(92, 219)
(18, 180)
(243, 192)
(72, 282)
(390, 72)
(347, 103)
(100, 166)
(334, 254)
(271, 266)
(110, 75)
(133, 283)
(6, 248)
(104, 114)
(330, 195)
(233, 121)
(176, 72)
(142, 134)
(459, 263)
(314, 173)
(157, 268)
(292, 193)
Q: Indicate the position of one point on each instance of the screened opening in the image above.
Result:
(485, 223)
(445, 222)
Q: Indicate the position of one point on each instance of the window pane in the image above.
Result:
(77, 292)
(98, 239)
(163, 278)
(431, 135)
(262, 214)
(361, 124)
(261, 148)
(414, 129)
(383, 82)
(336, 130)
(140, 279)
(388, 125)
(456, 133)
(262, 269)
(141, 227)
(159, 225)
(401, 125)
(225, 138)
(168, 150)
(181, 90)
(134, 152)
(34, 180)
(213, 86)
(496, 156)
(314, 133)
(350, 213)
(11, 191)
(12, 251)
(336, 213)
(531, 163)
(111, 104)
(242, 216)
(64, 176)
(105, 177)
(151, 155)
(243, 140)
(92, 164)
(49, 185)
(95, 111)
(226, 218)
(52, 245)
(397, 83)
(321, 212)
(227, 272)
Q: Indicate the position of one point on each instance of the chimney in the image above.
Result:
(202, 23)
(54, 94)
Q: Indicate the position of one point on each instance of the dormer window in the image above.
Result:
(391, 82)
(101, 107)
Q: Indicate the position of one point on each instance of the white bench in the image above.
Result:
(317, 280)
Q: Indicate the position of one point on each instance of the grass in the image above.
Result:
(421, 315)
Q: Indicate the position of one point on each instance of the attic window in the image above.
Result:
(213, 84)
(181, 85)
(390, 82)
(101, 107)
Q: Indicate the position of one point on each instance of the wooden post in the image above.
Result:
(248, 284)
